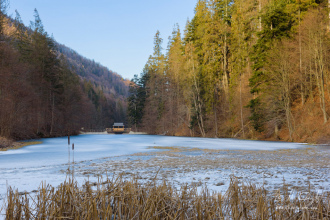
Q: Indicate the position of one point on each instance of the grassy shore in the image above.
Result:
(6, 144)
(120, 199)
(145, 190)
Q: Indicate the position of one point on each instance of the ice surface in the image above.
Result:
(24, 169)
(54, 151)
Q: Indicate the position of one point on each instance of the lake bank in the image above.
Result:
(50, 160)
(198, 162)
(117, 198)
(6, 144)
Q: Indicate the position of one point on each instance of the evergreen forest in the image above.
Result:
(48, 89)
(252, 69)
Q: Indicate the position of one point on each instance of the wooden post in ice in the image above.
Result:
(72, 161)
(69, 153)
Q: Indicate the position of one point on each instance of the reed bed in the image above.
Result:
(10, 145)
(120, 199)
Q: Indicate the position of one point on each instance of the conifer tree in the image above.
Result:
(3, 8)
(277, 24)
(22, 38)
(155, 103)
(136, 99)
(177, 86)
(229, 47)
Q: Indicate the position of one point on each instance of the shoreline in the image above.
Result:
(6, 144)
(298, 171)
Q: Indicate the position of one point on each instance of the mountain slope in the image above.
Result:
(47, 89)
(108, 81)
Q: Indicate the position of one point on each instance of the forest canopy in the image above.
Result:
(47, 89)
(244, 68)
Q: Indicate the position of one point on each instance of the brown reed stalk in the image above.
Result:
(120, 199)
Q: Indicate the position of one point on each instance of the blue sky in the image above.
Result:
(116, 33)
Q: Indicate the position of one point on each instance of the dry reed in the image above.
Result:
(120, 199)
(18, 145)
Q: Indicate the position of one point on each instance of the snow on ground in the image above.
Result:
(180, 160)
(298, 169)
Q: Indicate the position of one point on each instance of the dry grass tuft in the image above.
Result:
(10, 145)
(119, 199)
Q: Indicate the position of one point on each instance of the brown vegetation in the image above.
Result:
(41, 94)
(118, 199)
(245, 69)
(7, 144)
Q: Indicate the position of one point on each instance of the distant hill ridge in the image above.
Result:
(48, 89)
(103, 78)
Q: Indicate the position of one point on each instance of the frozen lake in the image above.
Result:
(54, 151)
(24, 169)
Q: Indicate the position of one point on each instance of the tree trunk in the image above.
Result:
(302, 78)
(225, 74)
(260, 26)
(319, 66)
(329, 14)
(52, 114)
(198, 106)
(241, 105)
(215, 112)
(286, 96)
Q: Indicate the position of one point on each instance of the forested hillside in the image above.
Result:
(108, 81)
(106, 89)
(47, 89)
(244, 68)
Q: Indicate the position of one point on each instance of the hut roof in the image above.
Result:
(118, 124)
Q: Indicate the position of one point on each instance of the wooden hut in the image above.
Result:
(118, 128)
